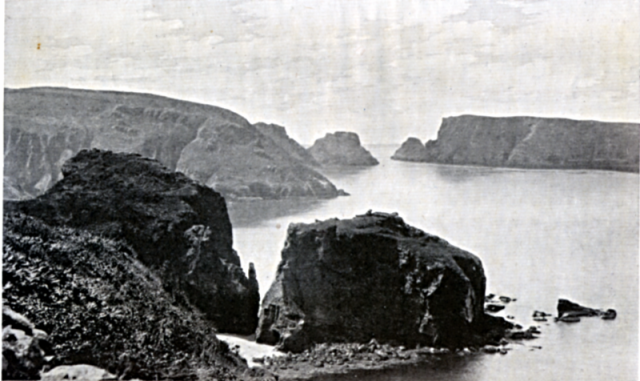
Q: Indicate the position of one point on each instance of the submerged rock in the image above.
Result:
(341, 149)
(374, 276)
(177, 227)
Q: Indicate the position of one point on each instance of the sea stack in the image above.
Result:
(375, 277)
(341, 149)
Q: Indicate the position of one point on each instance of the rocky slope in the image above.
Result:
(177, 227)
(529, 142)
(341, 149)
(374, 276)
(93, 302)
(279, 135)
(43, 127)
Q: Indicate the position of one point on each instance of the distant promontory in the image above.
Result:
(341, 149)
(44, 127)
(529, 142)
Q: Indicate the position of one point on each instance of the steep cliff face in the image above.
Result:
(178, 228)
(279, 135)
(374, 277)
(529, 142)
(341, 149)
(99, 305)
(43, 127)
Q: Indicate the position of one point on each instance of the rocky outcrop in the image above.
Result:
(571, 312)
(374, 276)
(44, 127)
(341, 149)
(177, 227)
(530, 142)
(279, 135)
(25, 349)
(100, 306)
(411, 150)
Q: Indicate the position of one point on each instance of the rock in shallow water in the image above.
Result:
(374, 276)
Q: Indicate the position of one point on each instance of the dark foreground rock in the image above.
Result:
(99, 306)
(341, 149)
(529, 142)
(25, 349)
(374, 276)
(177, 227)
(570, 312)
(44, 127)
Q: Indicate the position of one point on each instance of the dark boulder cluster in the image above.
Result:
(374, 276)
(570, 312)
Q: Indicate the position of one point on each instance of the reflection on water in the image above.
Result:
(459, 174)
(253, 213)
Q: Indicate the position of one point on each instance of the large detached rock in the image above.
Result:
(341, 149)
(179, 228)
(411, 150)
(530, 142)
(374, 276)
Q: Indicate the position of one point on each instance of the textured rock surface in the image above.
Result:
(44, 127)
(529, 142)
(99, 306)
(25, 349)
(411, 150)
(177, 227)
(279, 135)
(373, 276)
(77, 372)
(341, 148)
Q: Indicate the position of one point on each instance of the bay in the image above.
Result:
(541, 235)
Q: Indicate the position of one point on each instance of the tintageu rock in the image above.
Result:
(375, 277)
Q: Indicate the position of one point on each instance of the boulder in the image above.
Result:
(375, 277)
(25, 350)
(530, 142)
(77, 372)
(177, 227)
(569, 311)
(341, 149)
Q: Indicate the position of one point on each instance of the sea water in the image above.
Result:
(541, 235)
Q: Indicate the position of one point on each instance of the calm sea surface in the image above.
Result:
(541, 235)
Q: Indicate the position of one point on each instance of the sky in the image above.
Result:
(384, 69)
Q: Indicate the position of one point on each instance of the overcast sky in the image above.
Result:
(384, 69)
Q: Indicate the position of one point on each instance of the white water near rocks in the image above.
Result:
(541, 235)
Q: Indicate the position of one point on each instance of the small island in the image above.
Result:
(341, 149)
(529, 142)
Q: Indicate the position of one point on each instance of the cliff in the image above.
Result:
(94, 303)
(177, 227)
(279, 135)
(43, 127)
(341, 149)
(530, 142)
(374, 276)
